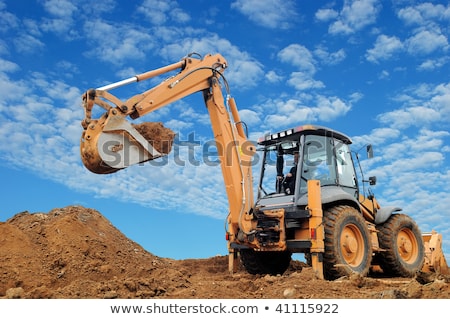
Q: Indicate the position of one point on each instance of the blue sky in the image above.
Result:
(376, 70)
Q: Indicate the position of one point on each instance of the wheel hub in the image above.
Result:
(352, 245)
(407, 245)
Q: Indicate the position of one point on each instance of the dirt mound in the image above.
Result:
(75, 252)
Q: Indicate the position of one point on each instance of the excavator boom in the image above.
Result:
(111, 143)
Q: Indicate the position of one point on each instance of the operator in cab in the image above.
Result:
(288, 181)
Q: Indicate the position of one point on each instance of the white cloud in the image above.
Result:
(267, 13)
(8, 66)
(424, 105)
(417, 116)
(403, 145)
(299, 115)
(428, 37)
(440, 100)
(326, 15)
(303, 81)
(178, 124)
(410, 16)
(424, 13)
(27, 43)
(385, 48)
(426, 42)
(155, 10)
(180, 16)
(285, 112)
(377, 136)
(433, 64)
(97, 8)
(159, 12)
(429, 140)
(384, 75)
(183, 172)
(8, 21)
(60, 8)
(302, 59)
(355, 15)
(125, 42)
(427, 160)
(330, 58)
(43, 133)
(299, 56)
(60, 19)
(244, 72)
(273, 77)
(293, 111)
(10, 90)
(3, 47)
(250, 117)
(330, 108)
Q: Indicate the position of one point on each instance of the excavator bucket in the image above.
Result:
(434, 256)
(111, 143)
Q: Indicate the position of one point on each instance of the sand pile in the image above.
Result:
(75, 252)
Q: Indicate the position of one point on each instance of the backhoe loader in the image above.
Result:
(317, 208)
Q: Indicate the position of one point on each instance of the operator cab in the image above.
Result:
(309, 152)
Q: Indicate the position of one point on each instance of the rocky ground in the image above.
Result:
(75, 252)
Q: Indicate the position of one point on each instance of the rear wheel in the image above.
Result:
(265, 262)
(308, 259)
(348, 248)
(404, 251)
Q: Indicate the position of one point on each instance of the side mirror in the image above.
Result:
(372, 180)
(369, 149)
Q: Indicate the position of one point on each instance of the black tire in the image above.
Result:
(308, 259)
(265, 262)
(348, 248)
(404, 249)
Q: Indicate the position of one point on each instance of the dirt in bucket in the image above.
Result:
(157, 134)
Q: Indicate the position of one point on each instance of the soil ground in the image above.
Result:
(75, 252)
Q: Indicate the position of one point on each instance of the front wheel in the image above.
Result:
(402, 242)
(348, 249)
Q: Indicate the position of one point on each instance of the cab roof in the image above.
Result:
(309, 129)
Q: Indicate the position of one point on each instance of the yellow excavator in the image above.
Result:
(318, 206)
